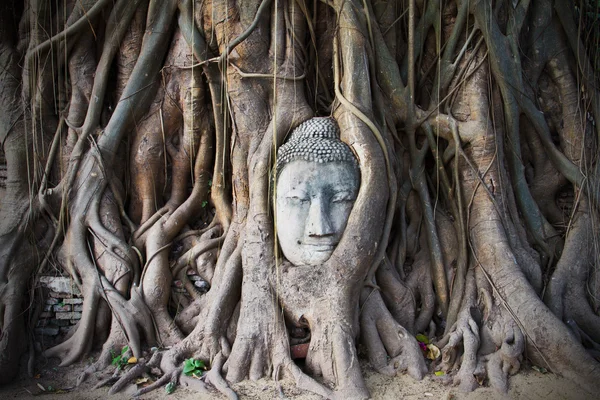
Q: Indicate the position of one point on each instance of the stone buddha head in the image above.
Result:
(317, 183)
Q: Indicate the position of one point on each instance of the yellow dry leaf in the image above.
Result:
(433, 352)
(132, 360)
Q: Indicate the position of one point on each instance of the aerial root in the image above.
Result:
(305, 382)
(419, 284)
(116, 246)
(137, 371)
(214, 377)
(172, 374)
(466, 332)
(108, 381)
(103, 361)
(113, 344)
(120, 382)
(190, 257)
(390, 346)
(193, 383)
(139, 236)
(169, 377)
(507, 359)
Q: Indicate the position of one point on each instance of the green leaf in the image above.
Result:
(170, 388)
(116, 360)
(204, 203)
(188, 366)
(439, 373)
(124, 350)
(422, 338)
(541, 370)
(199, 364)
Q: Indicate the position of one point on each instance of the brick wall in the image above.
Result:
(62, 309)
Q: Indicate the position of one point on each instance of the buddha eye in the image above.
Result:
(342, 198)
(297, 200)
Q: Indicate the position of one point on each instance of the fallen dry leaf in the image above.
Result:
(433, 352)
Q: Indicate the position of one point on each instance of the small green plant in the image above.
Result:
(170, 388)
(194, 368)
(119, 359)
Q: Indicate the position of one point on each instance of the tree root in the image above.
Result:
(113, 345)
(391, 348)
(398, 297)
(566, 293)
(214, 377)
(466, 332)
(419, 283)
(332, 354)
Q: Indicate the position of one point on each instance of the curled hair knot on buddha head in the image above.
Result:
(315, 140)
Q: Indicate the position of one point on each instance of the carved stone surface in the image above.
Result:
(317, 184)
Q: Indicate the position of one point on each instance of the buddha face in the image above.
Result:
(313, 204)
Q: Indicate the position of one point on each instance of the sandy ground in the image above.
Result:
(527, 384)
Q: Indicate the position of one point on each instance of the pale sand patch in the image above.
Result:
(527, 384)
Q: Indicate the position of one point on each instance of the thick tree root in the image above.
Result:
(113, 345)
(465, 335)
(391, 348)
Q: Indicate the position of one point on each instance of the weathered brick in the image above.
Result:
(59, 284)
(73, 321)
(78, 307)
(63, 308)
(60, 295)
(68, 315)
(48, 307)
(52, 301)
(60, 322)
(47, 331)
(74, 300)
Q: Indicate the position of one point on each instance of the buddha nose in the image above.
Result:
(319, 223)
